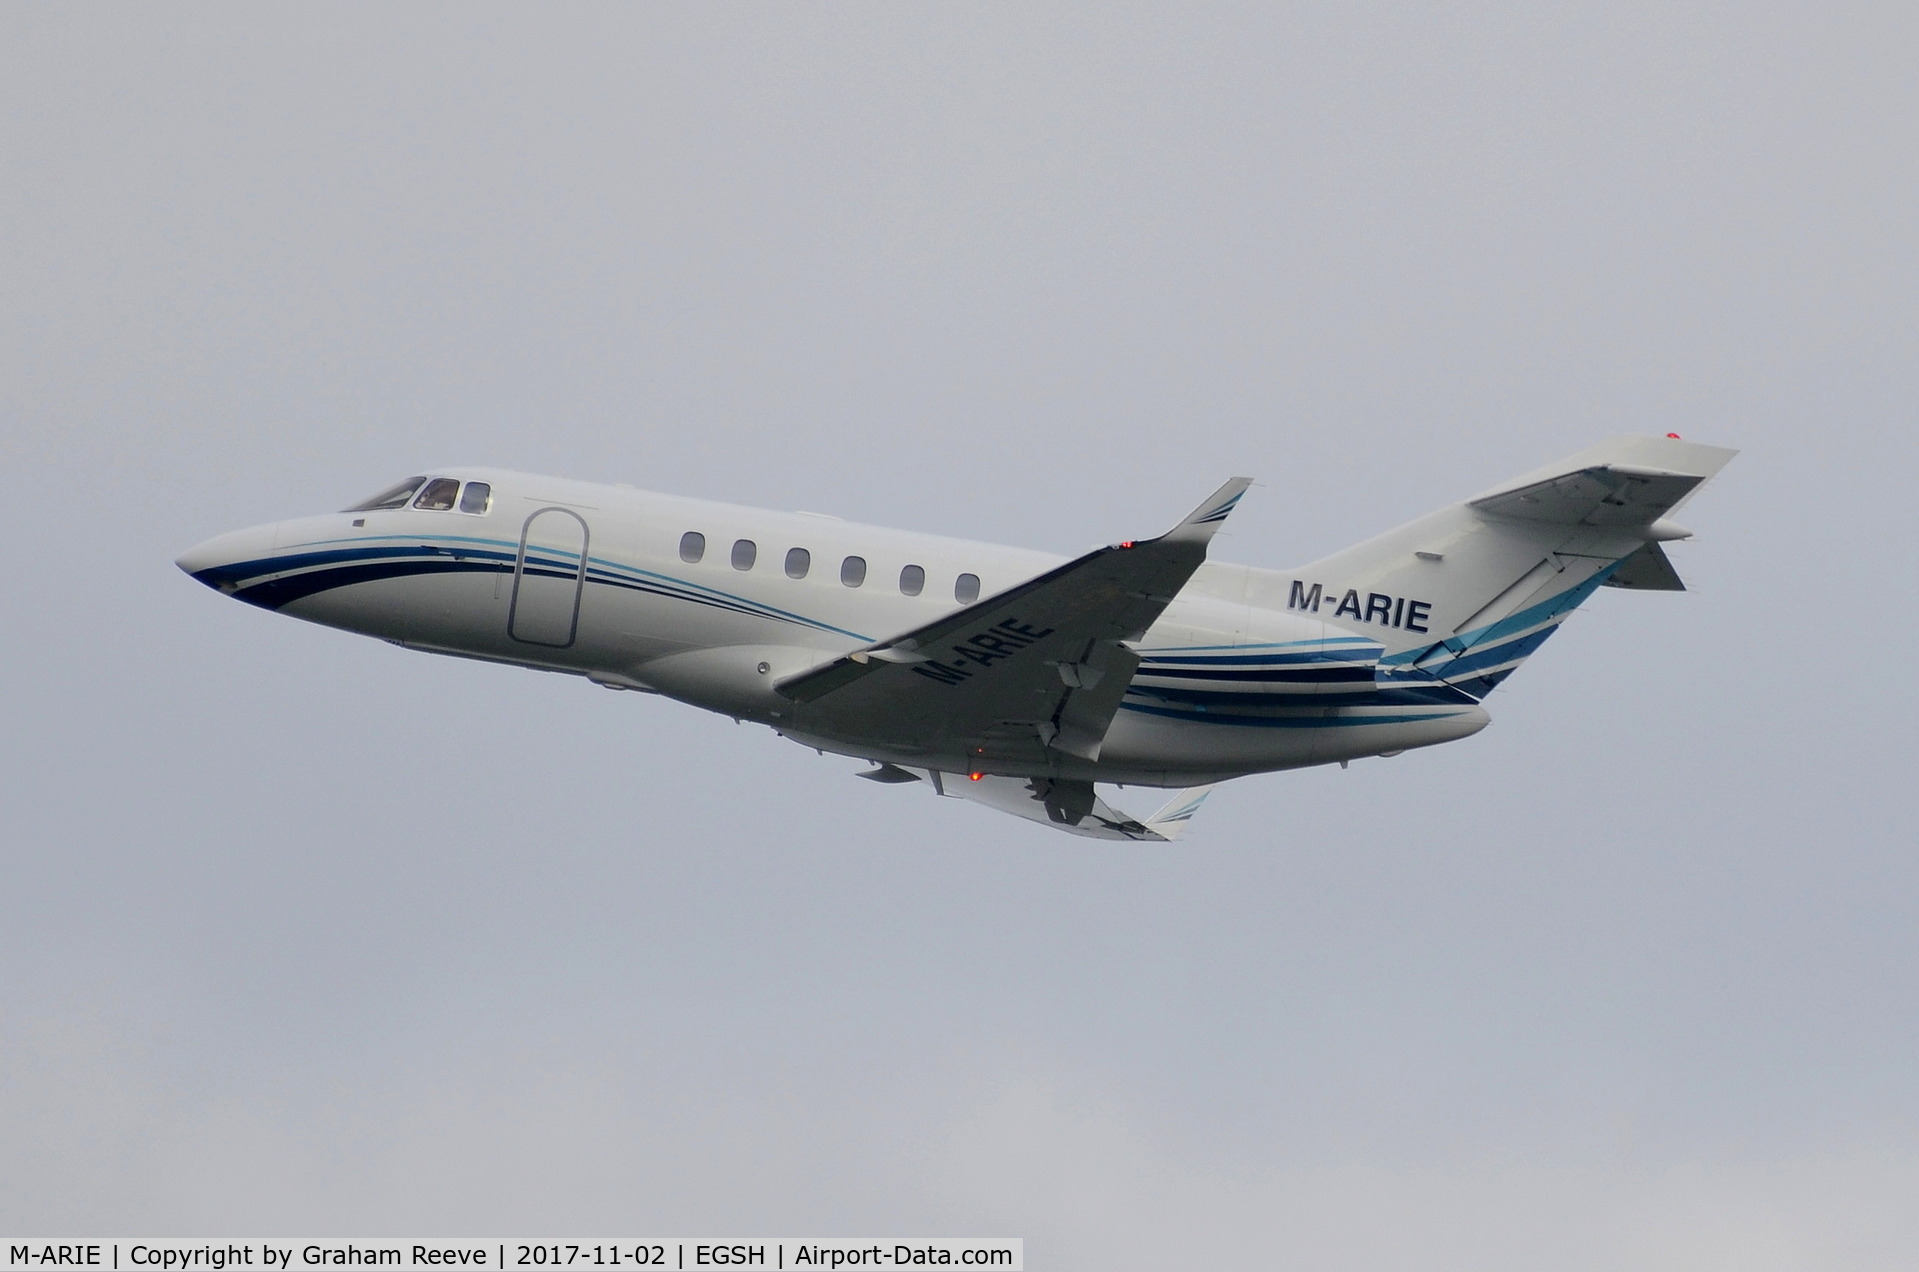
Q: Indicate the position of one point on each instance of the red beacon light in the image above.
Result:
(1125, 543)
(1675, 437)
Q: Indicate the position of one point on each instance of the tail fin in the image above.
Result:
(1463, 595)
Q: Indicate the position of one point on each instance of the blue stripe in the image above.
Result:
(720, 600)
(1258, 660)
(1349, 674)
(1371, 696)
(1284, 722)
(1552, 607)
(307, 574)
(236, 574)
(511, 546)
(1219, 513)
(275, 593)
(1266, 644)
(1480, 657)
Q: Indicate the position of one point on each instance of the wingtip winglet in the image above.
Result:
(1176, 814)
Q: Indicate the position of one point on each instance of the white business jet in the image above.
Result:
(1013, 678)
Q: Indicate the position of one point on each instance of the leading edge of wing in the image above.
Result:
(1187, 539)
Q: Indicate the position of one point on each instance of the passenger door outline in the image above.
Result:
(544, 609)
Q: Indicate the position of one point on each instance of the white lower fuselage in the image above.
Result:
(1226, 687)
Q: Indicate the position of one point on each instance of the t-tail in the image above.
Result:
(1462, 596)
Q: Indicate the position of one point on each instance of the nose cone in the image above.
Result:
(226, 561)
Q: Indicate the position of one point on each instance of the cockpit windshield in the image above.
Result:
(393, 498)
(434, 494)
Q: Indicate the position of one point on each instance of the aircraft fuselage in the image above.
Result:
(715, 604)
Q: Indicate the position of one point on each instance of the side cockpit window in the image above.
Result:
(476, 498)
(396, 497)
(438, 496)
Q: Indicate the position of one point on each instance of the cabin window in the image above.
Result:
(912, 580)
(966, 589)
(745, 552)
(394, 497)
(476, 498)
(798, 562)
(853, 571)
(692, 547)
(438, 495)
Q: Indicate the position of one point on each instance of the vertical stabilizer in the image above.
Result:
(1463, 595)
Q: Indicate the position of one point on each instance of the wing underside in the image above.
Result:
(1074, 806)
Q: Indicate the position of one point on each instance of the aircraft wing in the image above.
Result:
(1075, 807)
(1038, 667)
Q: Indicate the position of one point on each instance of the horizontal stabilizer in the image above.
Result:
(1624, 483)
(1605, 495)
(1647, 570)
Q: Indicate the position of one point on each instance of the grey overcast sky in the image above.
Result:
(304, 934)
